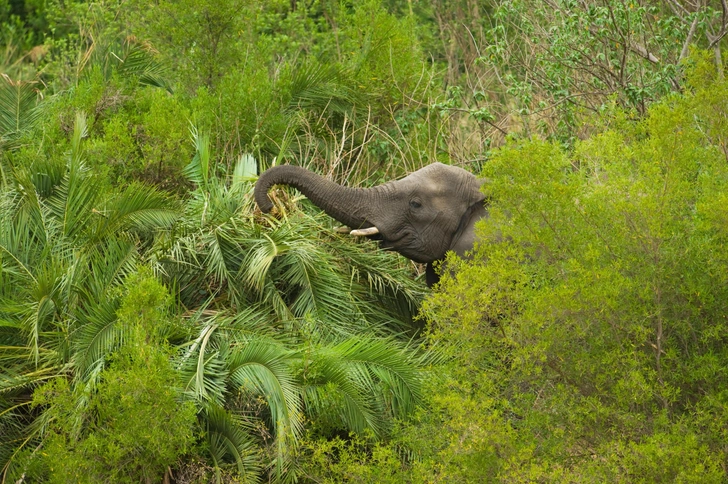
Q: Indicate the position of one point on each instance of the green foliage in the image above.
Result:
(351, 460)
(131, 425)
(64, 247)
(285, 336)
(18, 109)
(141, 342)
(383, 49)
(548, 68)
(595, 307)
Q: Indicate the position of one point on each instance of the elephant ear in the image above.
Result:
(475, 194)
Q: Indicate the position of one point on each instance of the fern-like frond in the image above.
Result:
(138, 207)
(262, 365)
(96, 336)
(228, 439)
(204, 370)
(361, 379)
(319, 87)
(198, 170)
(138, 60)
(387, 362)
(18, 106)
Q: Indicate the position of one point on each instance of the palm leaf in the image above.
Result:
(337, 389)
(138, 61)
(391, 364)
(319, 87)
(45, 174)
(12, 381)
(225, 253)
(18, 106)
(262, 366)
(80, 131)
(102, 266)
(138, 207)
(203, 369)
(198, 170)
(263, 248)
(72, 201)
(96, 336)
(369, 377)
(227, 438)
(246, 169)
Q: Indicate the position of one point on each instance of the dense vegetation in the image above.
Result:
(155, 326)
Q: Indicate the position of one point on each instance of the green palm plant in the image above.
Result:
(65, 245)
(259, 385)
(290, 323)
(287, 328)
(18, 108)
(296, 266)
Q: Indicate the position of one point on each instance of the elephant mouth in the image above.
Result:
(403, 242)
(406, 244)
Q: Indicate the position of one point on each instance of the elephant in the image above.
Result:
(422, 216)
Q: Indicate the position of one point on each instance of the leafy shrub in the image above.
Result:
(594, 312)
(131, 426)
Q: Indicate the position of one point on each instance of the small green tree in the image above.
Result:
(132, 425)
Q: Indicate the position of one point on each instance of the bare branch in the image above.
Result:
(677, 9)
(643, 52)
(689, 38)
(715, 39)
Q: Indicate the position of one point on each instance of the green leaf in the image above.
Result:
(18, 106)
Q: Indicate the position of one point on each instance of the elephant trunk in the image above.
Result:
(350, 206)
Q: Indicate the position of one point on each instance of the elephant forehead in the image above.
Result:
(441, 182)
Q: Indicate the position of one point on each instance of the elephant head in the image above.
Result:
(421, 216)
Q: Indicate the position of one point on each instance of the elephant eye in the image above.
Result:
(415, 204)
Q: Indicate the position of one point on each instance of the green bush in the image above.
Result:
(591, 322)
(132, 425)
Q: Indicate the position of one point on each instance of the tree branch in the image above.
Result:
(688, 39)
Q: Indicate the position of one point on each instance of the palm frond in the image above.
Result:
(138, 207)
(72, 200)
(225, 253)
(203, 369)
(80, 131)
(27, 219)
(336, 390)
(198, 170)
(320, 87)
(18, 106)
(246, 170)
(339, 400)
(262, 251)
(96, 336)
(12, 381)
(137, 60)
(361, 379)
(45, 174)
(104, 265)
(391, 364)
(228, 438)
(262, 367)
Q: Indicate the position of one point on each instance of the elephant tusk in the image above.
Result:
(364, 232)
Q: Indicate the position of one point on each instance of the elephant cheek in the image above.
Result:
(435, 242)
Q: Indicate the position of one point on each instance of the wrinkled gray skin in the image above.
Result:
(421, 216)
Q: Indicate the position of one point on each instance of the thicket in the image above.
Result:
(155, 326)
